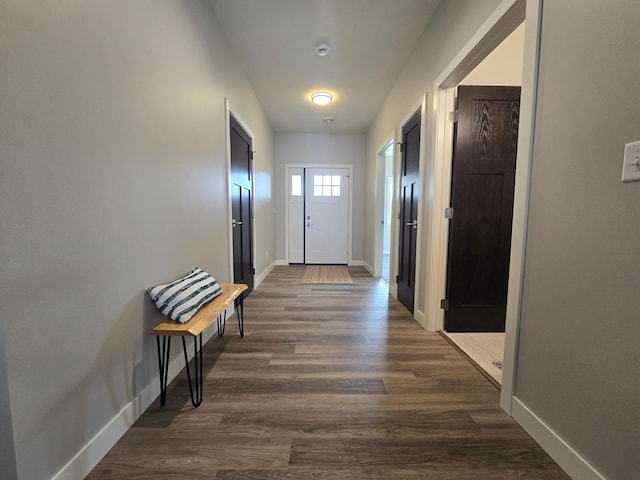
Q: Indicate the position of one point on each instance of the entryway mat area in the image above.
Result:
(337, 274)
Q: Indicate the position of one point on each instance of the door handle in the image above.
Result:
(234, 223)
(413, 224)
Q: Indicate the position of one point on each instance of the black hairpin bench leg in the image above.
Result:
(222, 323)
(196, 399)
(163, 362)
(240, 313)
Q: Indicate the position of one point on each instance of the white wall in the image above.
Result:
(503, 66)
(317, 149)
(578, 358)
(112, 178)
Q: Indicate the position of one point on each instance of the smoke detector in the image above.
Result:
(328, 120)
(323, 49)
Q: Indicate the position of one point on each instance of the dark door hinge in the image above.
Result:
(453, 116)
(448, 213)
(444, 304)
(397, 278)
(401, 147)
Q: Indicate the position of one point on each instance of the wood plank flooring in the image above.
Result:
(330, 382)
(483, 348)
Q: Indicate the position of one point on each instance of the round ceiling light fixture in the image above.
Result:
(321, 98)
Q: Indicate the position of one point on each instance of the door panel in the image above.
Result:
(326, 216)
(241, 205)
(409, 199)
(482, 188)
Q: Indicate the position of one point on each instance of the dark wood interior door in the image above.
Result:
(409, 198)
(241, 205)
(483, 176)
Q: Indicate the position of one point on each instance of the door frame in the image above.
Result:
(287, 168)
(419, 292)
(380, 197)
(228, 112)
(508, 15)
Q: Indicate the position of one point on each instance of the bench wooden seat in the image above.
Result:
(205, 316)
(216, 309)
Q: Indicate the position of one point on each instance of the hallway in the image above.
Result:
(330, 382)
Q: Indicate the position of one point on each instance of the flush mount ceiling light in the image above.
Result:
(321, 98)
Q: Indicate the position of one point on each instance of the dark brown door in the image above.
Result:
(483, 175)
(409, 197)
(241, 205)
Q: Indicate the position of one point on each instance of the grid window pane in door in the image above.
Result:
(326, 185)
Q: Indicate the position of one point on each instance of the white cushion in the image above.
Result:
(181, 299)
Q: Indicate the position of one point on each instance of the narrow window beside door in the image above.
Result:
(296, 185)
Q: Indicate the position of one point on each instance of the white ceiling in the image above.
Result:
(275, 42)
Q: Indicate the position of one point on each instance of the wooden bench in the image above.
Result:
(216, 309)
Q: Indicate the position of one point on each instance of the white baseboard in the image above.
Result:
(574, 464)
(352, 263)
(88, 457)
(258, 280)
(420, 318)
(368, 268)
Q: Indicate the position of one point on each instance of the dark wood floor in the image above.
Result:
(330, 382)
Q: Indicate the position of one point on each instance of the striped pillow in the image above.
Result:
(181, 299)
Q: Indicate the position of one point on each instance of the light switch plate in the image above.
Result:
(631, 165)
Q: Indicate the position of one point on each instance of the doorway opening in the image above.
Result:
(241, 186)
(384, 215)
(501, 67)
(409, 180)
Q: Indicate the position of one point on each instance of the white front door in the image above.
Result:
(326, 216)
